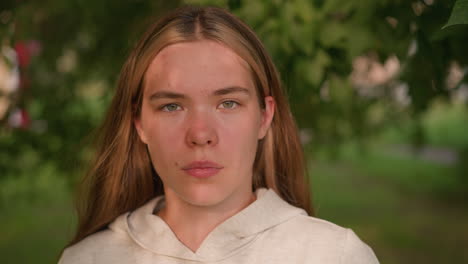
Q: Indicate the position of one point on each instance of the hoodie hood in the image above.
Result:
(228, 238)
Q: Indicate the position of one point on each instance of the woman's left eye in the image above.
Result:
(229, 104)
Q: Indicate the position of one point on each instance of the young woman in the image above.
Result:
(200, 161)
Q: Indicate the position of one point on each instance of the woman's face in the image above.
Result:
(202, 121)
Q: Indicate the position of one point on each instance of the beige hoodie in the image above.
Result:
(267, 231)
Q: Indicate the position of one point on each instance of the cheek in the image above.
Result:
(159, 127)
(239, 136)
(164, 138)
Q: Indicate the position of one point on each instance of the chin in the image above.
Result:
(210, 195)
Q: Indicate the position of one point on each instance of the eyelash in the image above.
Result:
(164, 107)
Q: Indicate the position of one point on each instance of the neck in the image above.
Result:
(191, 223)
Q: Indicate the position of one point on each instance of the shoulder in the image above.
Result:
(84, 251)
(327, 241)
(115, 244)
(101, 245)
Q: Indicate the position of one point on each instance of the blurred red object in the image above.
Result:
(26, 50)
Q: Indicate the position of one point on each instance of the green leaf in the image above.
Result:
(459, 14)
(333, 34)
(312, 70)
(340, 91)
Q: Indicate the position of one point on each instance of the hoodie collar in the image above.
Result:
(228, 238)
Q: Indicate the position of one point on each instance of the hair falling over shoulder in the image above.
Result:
(122, 177)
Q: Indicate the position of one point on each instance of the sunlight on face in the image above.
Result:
(201, 121)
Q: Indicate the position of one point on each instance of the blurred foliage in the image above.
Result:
(67, 88)
(315, 44)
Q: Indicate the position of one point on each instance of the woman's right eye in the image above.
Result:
(170, 108)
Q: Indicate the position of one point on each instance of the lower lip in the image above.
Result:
(202, 173)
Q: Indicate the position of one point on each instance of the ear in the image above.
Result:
(267, 116)
(140, 130)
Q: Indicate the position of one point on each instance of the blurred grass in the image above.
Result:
(447, 124)
(36, 215)
(35, 233)
(407, 210)
(444, 124)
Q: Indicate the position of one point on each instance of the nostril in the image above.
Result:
(208, 142)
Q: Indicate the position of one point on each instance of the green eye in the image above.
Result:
(229, 104)
(170, 107)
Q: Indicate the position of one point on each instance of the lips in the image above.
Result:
(202, 169)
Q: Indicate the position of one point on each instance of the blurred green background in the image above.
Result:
(378, 87)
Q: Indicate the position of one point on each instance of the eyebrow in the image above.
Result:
(166, 94)
(222, 91)
(232, 89)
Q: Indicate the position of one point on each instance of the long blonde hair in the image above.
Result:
(122, 177)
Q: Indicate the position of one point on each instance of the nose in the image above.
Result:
(201, 131)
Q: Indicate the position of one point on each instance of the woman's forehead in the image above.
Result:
(197, 65)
